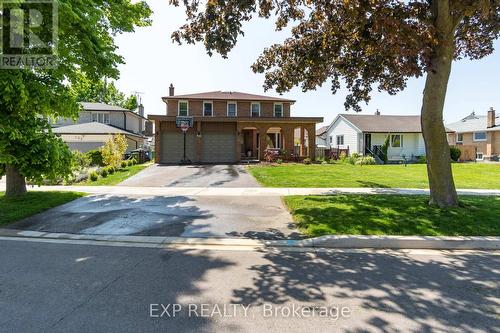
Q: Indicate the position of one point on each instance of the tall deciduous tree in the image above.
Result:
(366, 44)
(86, 90)
(28, 149)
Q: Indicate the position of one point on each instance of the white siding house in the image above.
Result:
(363, 134)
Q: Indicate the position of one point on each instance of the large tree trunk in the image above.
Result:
(16, 184)
(441, 184)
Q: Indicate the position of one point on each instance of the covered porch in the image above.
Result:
(294, 138)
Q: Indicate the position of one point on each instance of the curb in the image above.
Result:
(326, 242)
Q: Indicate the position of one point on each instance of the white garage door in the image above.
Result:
(172, 146)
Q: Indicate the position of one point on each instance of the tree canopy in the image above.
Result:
(86, 90)
(29, 96)
(365, 43)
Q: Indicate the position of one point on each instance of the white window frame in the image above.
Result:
(479, 140)
(482, 156)
(337, 140)
(252, 104)
(99, 115)
(401, 141)
(179, 108)
(459, 141)
(282, 110)
(235, 108)
(203, 108)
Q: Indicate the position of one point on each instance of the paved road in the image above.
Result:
(81, 288)
(187, 216)
(193, 176)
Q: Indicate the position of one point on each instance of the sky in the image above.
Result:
(153, 61)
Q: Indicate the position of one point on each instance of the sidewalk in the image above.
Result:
(248, 191)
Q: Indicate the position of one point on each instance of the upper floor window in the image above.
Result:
(183, 108)
(255, 109)
(232, 109)
(479, 136)
(100, 117)
(208, 109)
(278, 110)
(460, 137)
(340, 140)
(396, 141)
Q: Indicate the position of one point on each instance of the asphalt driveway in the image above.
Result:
(197, 216)
(193, 176)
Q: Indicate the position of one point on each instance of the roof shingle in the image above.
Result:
(229, 95)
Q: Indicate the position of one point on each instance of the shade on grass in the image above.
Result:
(467, 175)
(14, 209)
(393, 215)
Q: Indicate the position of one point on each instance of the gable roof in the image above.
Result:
(230, 96)
(322, 130)
(384, 123)
(92, 128)
(92, 106)
(473, 123)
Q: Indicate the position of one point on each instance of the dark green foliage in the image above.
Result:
(95, 157)
(455, 153)
(94, 176)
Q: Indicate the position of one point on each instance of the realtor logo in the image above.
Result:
(28, 37)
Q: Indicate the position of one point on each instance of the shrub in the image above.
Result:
(343, 156)
(79, 160)
(111, 170)
(104, 172)
(124, 164)
(113, 150)
(271, 155)
(279, 161)
(95, 157)
(94, 176)
(384, 149)
(130, 162)
(455, 153)
(422, 159)
(307, 160)
(365, 160)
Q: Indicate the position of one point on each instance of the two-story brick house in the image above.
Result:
(477, 136)
(230, 127)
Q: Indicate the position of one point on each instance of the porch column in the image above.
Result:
(199, 142)
(287, 131)
(263, 142)
(302, 140)
(311, 131)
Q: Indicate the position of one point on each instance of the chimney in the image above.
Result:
(491, 118)
(377, 113)
(171, 90)
(141, 110)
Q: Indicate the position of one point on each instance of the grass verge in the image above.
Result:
(393, 215)
(14, 209)
(467, 175)
(118, 176)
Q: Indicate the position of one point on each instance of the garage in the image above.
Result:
(172, 146)
(219, 143)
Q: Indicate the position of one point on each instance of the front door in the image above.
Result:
(368, 144)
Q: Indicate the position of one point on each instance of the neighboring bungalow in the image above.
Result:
(230, 126)
(365, 135)
(478, 137)
(321, 139)
(97, 122)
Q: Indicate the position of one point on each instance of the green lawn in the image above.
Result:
(393, 215)
(467, 175)
(119, 175)
(14, 209)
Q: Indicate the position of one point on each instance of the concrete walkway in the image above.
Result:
(244, 191)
